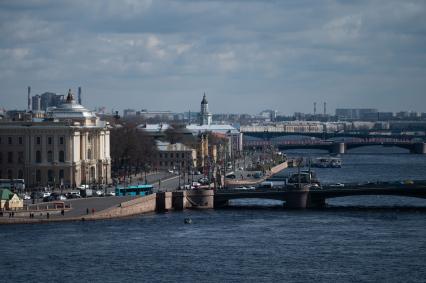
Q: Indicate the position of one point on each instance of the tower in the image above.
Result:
(79, 95)
(205, 116)
(29, 98)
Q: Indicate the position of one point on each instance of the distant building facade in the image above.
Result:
(355, 113)
(175, 157)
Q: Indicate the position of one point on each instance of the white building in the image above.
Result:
(72, 147)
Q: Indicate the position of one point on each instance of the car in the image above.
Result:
(337, 185)
(203, 181)
(257, 175)
(170, 171)
(73, 194)
(99, 193)
(45, 194)
(26, 197)
(195, 184)
(61, 197)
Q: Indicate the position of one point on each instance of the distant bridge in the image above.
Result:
(336, 147)
(267, 134)
(316, 198)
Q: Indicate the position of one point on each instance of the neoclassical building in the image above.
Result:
(71, 147)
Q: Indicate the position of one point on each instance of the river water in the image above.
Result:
(350, 242)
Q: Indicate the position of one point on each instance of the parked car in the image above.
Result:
(203, 181)
(26, 197)
(45, 194)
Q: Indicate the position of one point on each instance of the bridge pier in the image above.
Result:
(316, 202)
(419, 148)
(297, 199)
(338, 148)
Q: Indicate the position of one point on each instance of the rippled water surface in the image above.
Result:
(340, 244)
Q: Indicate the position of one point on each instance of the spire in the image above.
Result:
(204, 101)
(70, 97)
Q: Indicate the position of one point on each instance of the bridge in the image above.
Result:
(336, 146)
(270, 132)
(305, 197)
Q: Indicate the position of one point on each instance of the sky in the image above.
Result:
(246, 55)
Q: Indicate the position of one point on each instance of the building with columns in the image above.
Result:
(71, 147)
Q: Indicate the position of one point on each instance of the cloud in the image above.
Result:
(255, 54)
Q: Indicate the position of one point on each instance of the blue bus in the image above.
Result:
(139, 190)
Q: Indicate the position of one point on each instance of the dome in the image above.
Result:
(70, 109)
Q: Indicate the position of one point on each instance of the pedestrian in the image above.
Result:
(47, 215)
(62, 212)
(87, 211)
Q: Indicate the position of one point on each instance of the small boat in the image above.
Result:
(188, 221)
(327, 162)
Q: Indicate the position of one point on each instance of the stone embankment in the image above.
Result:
(252, 182)
(158, 202)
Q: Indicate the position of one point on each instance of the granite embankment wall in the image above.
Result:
(155, 202)
(132, 207)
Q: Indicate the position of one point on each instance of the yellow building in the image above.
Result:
(10, 201)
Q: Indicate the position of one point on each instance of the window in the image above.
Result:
(61, 175)
(0, 140)
(38, 156)
(20, 174)
(38, 176)
(20, 140)
(1, 157)
(49, 156)
(49, 140)
(160, 155)
(9, 174)
(20, 158)
(10, 157)
(183, 155)
(171, 155)
(61, 156)
(89, 154)
(9, 140)
(50, 175)
(38, 140)
(165, 155)
(61, 140)
(161, 163)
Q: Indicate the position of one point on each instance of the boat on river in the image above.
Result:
(327, 162)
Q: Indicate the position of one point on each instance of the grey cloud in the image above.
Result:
(251, 54)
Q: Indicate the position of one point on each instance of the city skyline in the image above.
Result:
(245, 55)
